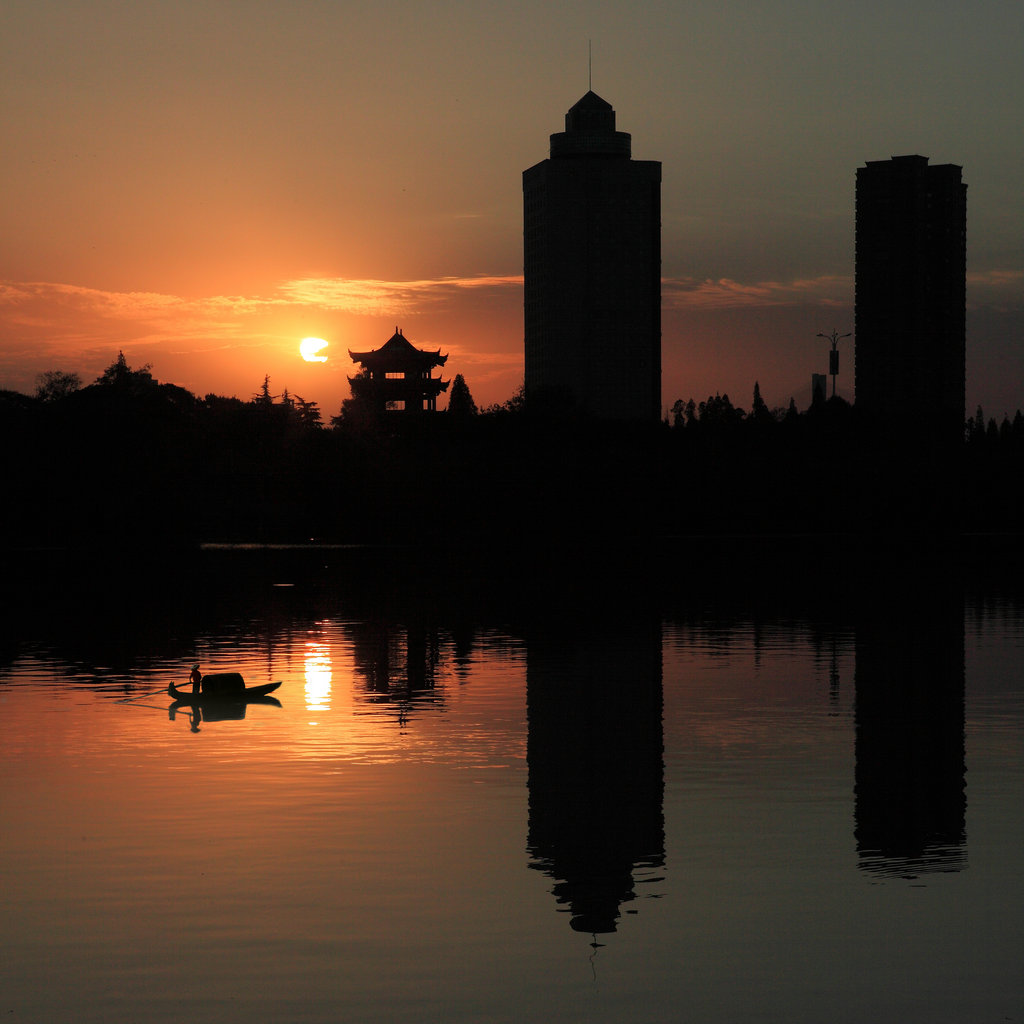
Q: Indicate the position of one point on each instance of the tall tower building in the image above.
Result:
(911, 269)
(592, 270)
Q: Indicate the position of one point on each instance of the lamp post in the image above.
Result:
(833, 357)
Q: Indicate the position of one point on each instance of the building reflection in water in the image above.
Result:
(596, 767)
(910, 771)
(398, 665)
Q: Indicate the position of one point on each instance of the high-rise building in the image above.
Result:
(592, 270)
(911, 267)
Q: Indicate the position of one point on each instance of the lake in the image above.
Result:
(510, 794)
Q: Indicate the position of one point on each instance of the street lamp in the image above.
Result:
(833, 357)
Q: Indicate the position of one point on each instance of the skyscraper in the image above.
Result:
(911, 267)
(592, 270)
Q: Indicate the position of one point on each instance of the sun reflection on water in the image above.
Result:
(318, 677)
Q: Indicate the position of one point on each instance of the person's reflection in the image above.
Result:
(195, 716)
(910, 792)
(596, 770)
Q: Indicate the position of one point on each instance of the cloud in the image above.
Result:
(709, 295)
(84, 314)
(33, 299)
(369, 297)
(996, 278)
(337, 293)
(1000, 290)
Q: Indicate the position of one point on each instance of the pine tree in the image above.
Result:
(264, 397)
(460, 401)
(759, 411)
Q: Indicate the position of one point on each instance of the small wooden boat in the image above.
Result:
(221, 707)
(225, 688)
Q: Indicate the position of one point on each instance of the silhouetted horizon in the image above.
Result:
(131, 460)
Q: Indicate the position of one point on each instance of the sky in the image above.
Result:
(203, 183)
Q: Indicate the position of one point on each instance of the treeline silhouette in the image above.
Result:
(130, 460)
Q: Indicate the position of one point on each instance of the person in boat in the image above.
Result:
(196, 679)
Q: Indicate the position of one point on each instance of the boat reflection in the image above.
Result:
(220, 711)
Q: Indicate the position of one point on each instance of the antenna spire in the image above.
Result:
(590, 65)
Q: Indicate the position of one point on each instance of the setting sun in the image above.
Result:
(310, 349)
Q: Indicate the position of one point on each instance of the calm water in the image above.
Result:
(586, 806)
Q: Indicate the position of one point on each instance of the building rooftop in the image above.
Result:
(398, 354)
(590, 130)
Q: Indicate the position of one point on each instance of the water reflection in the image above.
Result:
(317, 671)
(910, 786)
(397, 664)
(595, 766)
(366, 870)
(221, 711)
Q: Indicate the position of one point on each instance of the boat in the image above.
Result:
(223, 698)
(225, 688)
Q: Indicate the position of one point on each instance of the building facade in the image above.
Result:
(592, 270)
(910, 299)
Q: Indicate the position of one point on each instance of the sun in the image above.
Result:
(310, 349)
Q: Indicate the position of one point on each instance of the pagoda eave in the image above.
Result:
(398, 372)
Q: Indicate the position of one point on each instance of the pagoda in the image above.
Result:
(399, 375)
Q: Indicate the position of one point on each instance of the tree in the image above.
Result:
(263, 396)
(759, 411)
(120, 375)
(309, 412)
(460, 401)
(361, 411)
(719, 411)
(53, 385)
(515, 404)
(976, 427)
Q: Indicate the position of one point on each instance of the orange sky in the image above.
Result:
(202, 185)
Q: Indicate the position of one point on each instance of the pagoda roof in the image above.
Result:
(396, 354)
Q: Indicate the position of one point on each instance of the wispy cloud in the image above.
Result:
(999, 290)
(36, 302)
(33, 298)
(370, 297)
(996, 278)
(997, 287)
(724, 293)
